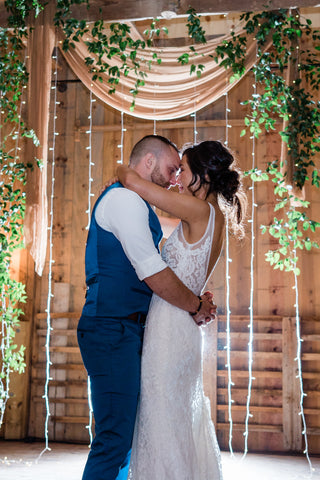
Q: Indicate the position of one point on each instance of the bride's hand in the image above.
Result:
(110, 182)
(126, 175)
(207, 311)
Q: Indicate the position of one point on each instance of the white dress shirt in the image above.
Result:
(123, 213)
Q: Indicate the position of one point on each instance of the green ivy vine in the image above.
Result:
(13, 79)
(294, 104)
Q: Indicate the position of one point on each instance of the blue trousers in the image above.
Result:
(111, 352)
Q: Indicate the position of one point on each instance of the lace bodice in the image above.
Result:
(190, 261)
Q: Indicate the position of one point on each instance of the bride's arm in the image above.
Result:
(185, 207)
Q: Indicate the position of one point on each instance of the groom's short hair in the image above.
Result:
(150, 143)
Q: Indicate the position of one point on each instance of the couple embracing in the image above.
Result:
(165, 417)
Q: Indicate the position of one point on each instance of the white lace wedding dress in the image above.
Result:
(174, 436)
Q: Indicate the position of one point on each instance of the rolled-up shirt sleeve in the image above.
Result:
(123, 213)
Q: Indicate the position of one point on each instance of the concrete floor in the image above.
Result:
(18, 461)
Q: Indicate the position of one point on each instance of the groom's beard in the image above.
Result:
(158, 178)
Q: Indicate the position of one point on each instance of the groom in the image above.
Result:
(123, 268)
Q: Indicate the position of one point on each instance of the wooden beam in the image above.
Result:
(61, 366)
(252, 427)
(131, 124)
(71, 401)
(120, 10)
(256, 374)
(69, 419)
(43, 316)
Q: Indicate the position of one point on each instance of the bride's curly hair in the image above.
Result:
(213, 166)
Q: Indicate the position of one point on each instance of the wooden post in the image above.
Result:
(286, 158)
(40, 46)
(292, 428)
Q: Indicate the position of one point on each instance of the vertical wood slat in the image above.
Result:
(60, 304)
(292, 431)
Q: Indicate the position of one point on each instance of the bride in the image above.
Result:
(174, 436)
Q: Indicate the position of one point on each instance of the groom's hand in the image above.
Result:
(207, 311)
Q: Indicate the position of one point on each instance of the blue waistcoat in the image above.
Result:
(113, 288)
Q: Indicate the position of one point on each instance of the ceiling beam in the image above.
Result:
(119, 10)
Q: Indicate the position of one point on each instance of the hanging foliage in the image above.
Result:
(13, 79)
(296, 106)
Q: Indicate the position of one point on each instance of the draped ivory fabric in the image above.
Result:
(40, 46)
(169, 91)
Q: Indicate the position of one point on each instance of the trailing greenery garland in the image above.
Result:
(294, 104)
(13, 79)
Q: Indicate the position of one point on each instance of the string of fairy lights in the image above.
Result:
(299, 365)
(250, 326)
(228, 311)
(121, 144)
(51, 261)
(195, 132)
(88, 211)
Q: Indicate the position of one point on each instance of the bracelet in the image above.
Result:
(199, 308)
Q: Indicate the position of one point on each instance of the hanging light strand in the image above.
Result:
(90, 194)
(154, 111)
(5, 344)
(91, 164)
(195, 132)
(228, 337)
(51, 261)
(250, 326)
(122, 139)
(228, 312)
(299, 375)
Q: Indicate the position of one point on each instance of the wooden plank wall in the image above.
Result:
(274, 297)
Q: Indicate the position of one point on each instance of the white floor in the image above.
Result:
(19, 461)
